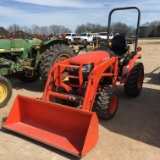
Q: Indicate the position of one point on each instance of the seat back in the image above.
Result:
(119, 45)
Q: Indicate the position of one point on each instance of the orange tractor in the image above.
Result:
(77, 91)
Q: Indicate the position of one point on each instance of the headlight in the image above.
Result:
(87, 68)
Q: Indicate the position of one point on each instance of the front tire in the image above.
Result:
(133, 86)
(5, 91)
(106, 103)
(50, 57)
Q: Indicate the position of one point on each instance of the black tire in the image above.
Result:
(50, 57)
(106, 103)
(5, 91)
(133, 86)
(24, 78)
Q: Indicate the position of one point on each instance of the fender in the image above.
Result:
(126, 70)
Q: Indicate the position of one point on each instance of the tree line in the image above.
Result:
(118, 27)
(35, 29)
(57, 30)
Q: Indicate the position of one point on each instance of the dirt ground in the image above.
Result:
(133, 134)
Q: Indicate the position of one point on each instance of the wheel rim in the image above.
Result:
(113, 104)
(3, 92)
(62, 57)
(140, 80)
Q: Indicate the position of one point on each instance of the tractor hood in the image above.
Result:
(5, 43)
(94, 57)
(9, 45)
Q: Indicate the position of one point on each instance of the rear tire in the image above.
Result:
(5, 91)
(133, 86)
(50, 57)
(106, 103)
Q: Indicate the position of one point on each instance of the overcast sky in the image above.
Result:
(71, 13)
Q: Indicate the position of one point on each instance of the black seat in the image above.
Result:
(119, 45)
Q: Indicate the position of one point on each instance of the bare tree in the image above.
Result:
(44, 30)
(58, 30)
(89, 27)
(26, 29)
(120, 28)
(65, 30)
(153, 26)
(14, 28)
(35, 29)
(80, 29)
(131, 32)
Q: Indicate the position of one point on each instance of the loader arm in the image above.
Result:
(94, 78)
(55, 80)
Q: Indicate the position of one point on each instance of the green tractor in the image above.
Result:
(29, 59)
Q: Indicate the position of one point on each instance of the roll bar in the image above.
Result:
(138, 23)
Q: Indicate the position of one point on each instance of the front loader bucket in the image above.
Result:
(69, 129)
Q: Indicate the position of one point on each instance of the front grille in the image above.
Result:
(77, 39)
(74, 72)
(74, 76)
